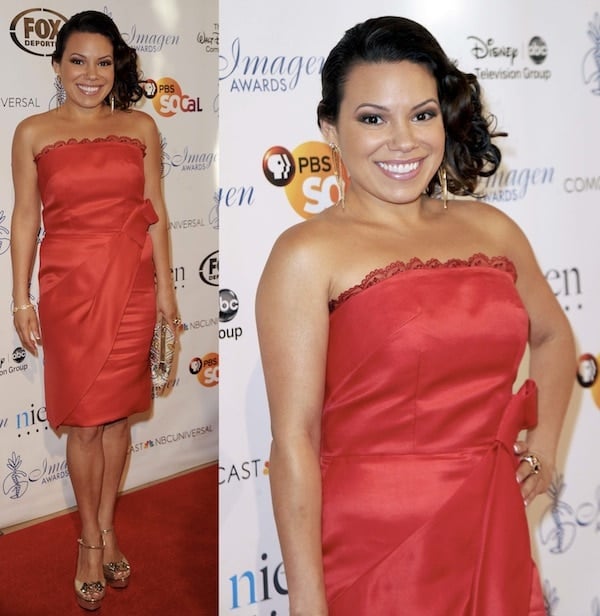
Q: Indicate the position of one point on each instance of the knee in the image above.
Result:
(85, 436)
(117, 428)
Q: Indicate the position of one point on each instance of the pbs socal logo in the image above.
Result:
(306, 174)
(537, 50)
(35, 30)
(209, 269)
(587, 375)
(228, 305)
(206, 369)
(168, 97)
(279, 166)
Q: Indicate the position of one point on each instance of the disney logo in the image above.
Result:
(482, 49)
(203, 38)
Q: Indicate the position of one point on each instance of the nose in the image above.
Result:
(402, 136)
(92, 71)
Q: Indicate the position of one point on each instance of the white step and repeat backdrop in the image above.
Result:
(177, 43)
(539, 64)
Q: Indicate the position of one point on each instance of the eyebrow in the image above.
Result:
(82, 55)
(384, 108)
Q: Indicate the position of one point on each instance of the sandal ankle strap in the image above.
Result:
(83, 544)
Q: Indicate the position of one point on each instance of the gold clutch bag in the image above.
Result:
(162, 352)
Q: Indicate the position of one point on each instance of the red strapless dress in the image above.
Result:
(97, 302)
(422, 513)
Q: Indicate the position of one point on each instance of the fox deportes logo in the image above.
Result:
(35, 30)
(209, 269)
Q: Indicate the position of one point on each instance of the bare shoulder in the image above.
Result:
(306, 242)
(301, 258)
(489, 221)
(142, 122)
(32, 130)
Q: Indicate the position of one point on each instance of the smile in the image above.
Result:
(399, 168)
(89, 89)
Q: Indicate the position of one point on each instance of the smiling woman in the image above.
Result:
(391, 328)
(104, 275)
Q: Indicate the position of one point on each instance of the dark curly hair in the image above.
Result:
(126, 89)
(469, 152)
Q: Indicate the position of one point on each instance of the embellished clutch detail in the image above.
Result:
(162, 352)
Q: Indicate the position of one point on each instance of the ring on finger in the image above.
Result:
(533, 461)
(177, 321)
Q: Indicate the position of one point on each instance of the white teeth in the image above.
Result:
(399, 167)
(89, 89)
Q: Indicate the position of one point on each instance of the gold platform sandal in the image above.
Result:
(85, 591)
(116, 573)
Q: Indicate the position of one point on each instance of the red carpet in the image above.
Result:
(169, 534)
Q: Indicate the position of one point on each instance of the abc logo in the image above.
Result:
(537, 50)
(228, 305)
(19, 354)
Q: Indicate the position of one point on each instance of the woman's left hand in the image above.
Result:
(534, 472)
(166, 307)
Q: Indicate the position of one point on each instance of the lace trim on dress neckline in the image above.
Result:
(73, 140)
(383, 273)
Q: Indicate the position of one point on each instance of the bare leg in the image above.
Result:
(85, 459)
(115, 441)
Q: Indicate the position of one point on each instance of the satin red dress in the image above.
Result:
(97, 304)
(422, 513)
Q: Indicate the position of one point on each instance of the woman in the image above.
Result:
(95, 165)
(392, 464)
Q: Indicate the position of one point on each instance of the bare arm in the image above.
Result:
(165, 295)
(552, 365)
(25, 227)
(292, 319)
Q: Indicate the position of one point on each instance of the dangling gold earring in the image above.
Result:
(336, 162)
(443, 185)
(112, 103)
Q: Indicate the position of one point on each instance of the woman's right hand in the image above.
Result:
(28, 328)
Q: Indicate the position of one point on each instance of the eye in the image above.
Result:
(105, 63)
(370, 118)
(76, 61)
(425, 115)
